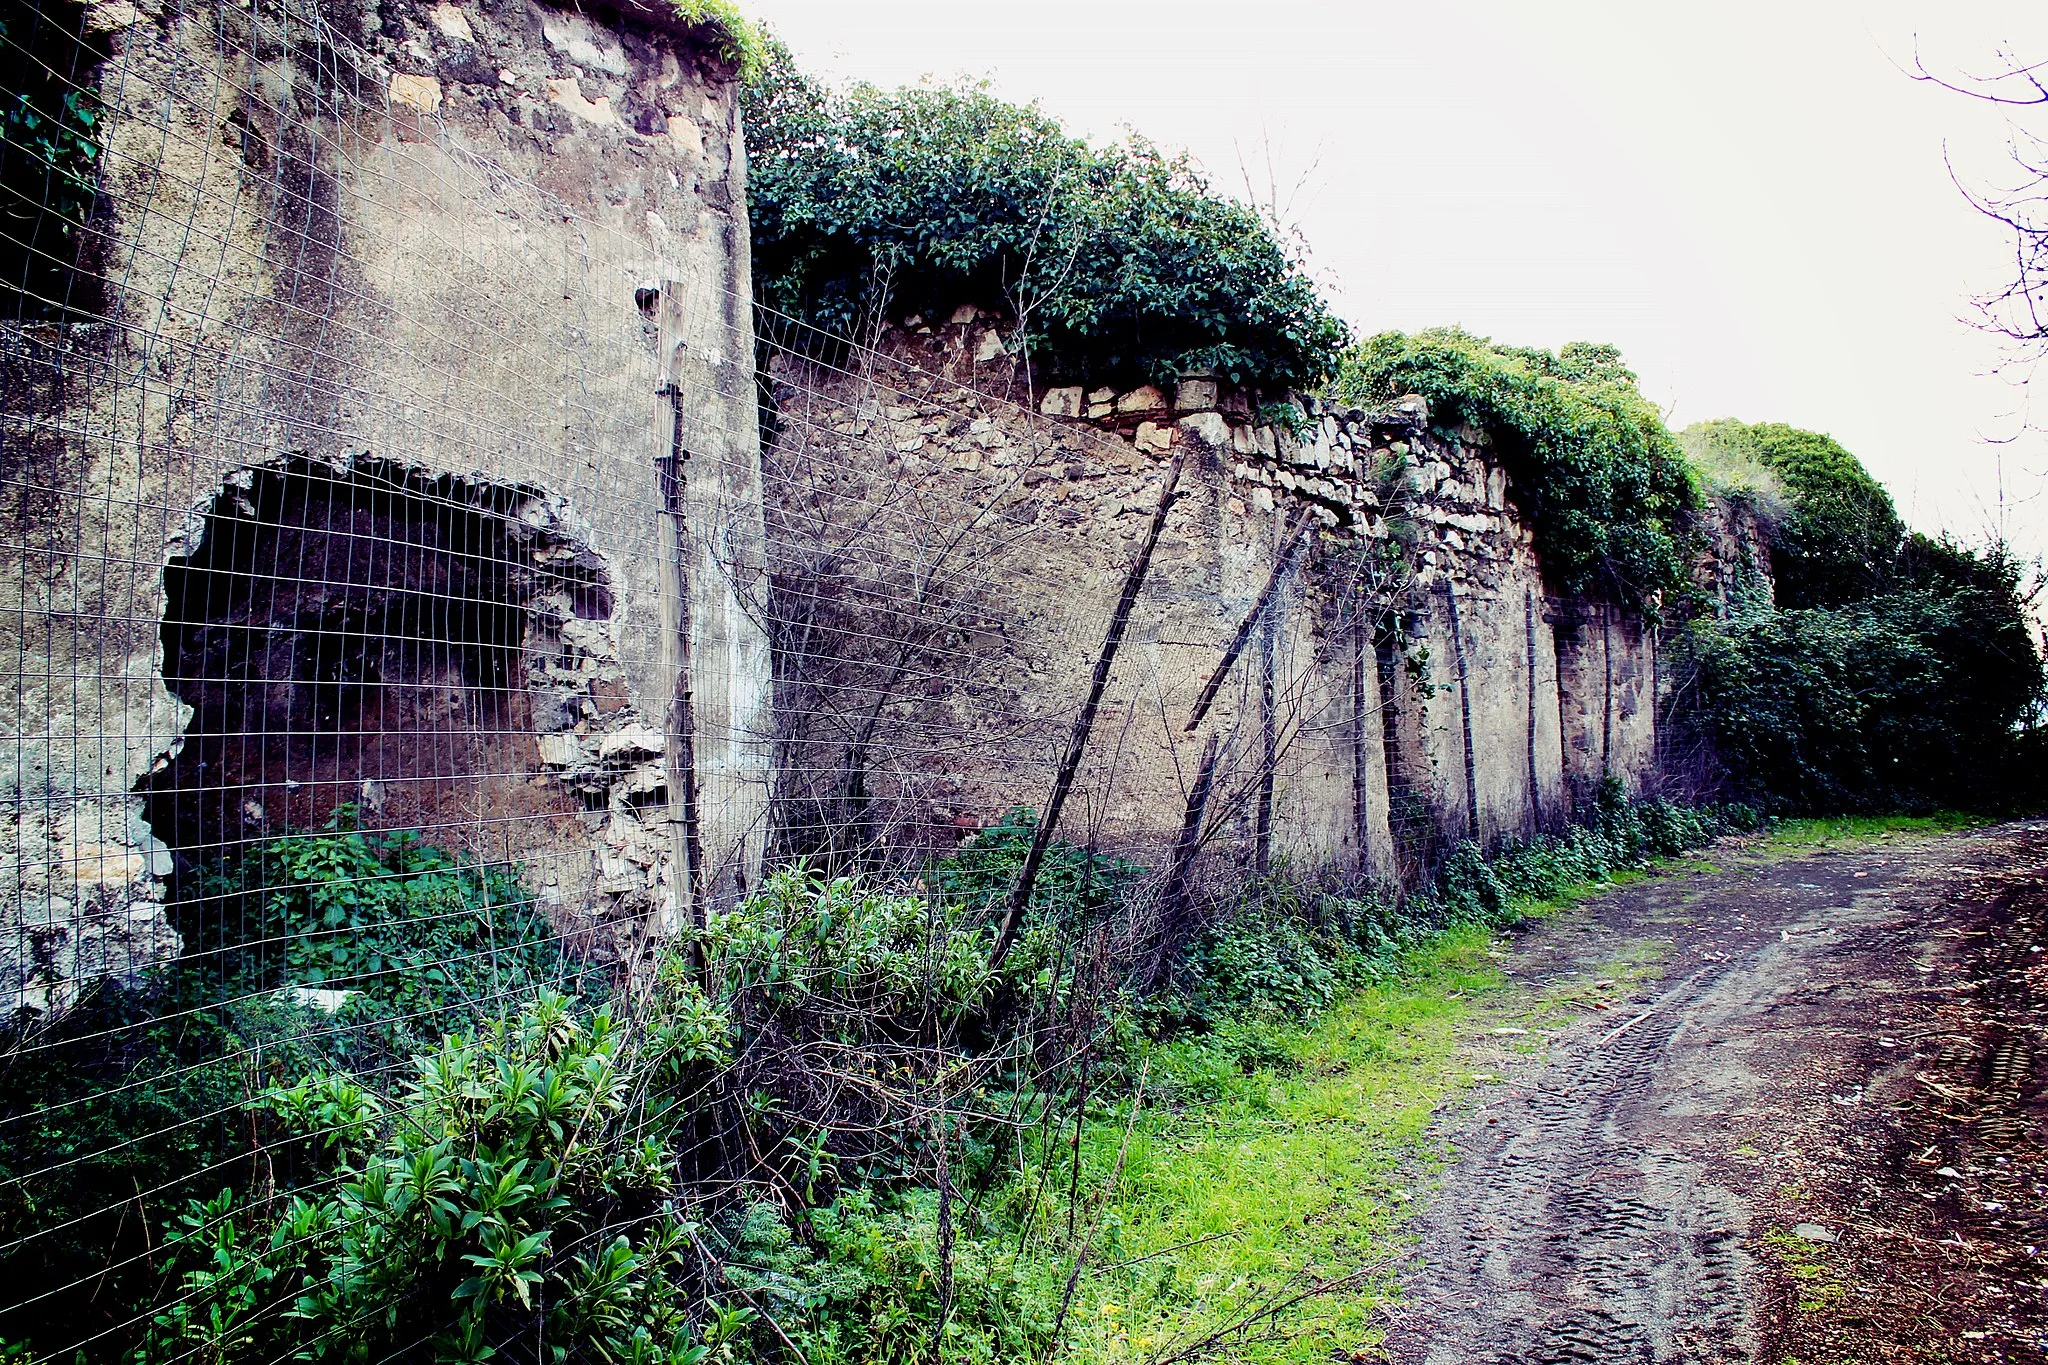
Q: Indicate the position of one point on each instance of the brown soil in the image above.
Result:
(1841, 1046)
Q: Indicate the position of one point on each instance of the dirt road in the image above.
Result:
(1816, 1133)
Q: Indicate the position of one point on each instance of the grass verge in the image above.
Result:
(1257, 1213)
(1850, 831)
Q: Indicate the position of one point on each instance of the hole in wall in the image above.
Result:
(370, 636)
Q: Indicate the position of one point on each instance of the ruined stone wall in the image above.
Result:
(432, 237)
(1428, 686)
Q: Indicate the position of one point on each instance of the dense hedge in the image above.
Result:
(1910, 698)
(1602, 481)
(1120, 261)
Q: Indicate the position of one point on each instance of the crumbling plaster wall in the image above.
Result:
(421, 232)
(1387, 743)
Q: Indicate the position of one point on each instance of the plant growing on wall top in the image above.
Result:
(1842, 534)
(1604, 483)
(735, 36)
(1115, 263)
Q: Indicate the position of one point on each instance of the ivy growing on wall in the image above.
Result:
(1601, 479)
(736, 37)
(1842, 534)
(1114, 263)
(49, 154)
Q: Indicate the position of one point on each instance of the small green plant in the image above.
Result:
(739, 39)
(50, 150)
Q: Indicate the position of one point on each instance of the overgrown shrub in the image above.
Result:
(875, 1279)
(1601, 480)
(1904, 701)
(1075, 885)
(575, 1180)
(1112, 262)
(515, 1189)
(136, 1101)
(1893, 670)
(1841, 540)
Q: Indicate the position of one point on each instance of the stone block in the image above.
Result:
(1414, 407)
(1195, 393)
(1154, 437)
(988, 348)
(421, 92)
(1063, 402)
(1209, 428)
(634, 739)
(452, 22)
(1146, 398)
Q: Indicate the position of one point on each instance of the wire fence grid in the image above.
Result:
(345, 701)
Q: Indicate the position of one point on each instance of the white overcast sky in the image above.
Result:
(1750, 199)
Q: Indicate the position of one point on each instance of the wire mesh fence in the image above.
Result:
(436, 595)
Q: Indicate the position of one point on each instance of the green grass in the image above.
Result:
(1815, 1283)
(1274, 1165)
(1243, 1188)
(1848, 831)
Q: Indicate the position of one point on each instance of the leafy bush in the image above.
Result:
(1115, 262)
(1842, 537)
(1075, 885)
(1265, 955)
(423, 940)
(874, 1280)
(135, 1102)
(513, 1188)
(1619, 834)
(1603, 483)
(1905, 701)
(806, 942)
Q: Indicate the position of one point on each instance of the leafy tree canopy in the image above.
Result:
(1840, 540)
(1119, 262)
(1594, 468)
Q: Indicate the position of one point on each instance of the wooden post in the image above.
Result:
(1077, 742)
(1360, 826)
(673, 563)
(1269, 751)
(1529, 646)
(1291, 542)
(1173, 896)
(1464, 712)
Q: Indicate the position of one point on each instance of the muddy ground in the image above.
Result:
(1807, 1125)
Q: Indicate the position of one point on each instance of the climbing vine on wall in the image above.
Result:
(1842, 535)
(1593, 466)
(1112, 262)
(49, 153)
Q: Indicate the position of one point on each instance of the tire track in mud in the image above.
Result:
(1590, 1213)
